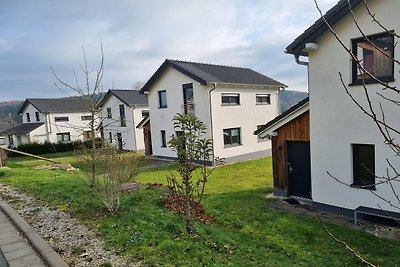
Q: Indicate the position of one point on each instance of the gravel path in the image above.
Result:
(76, 244)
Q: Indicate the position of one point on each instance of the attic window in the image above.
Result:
(375, 54)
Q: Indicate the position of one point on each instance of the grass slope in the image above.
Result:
(245, 232)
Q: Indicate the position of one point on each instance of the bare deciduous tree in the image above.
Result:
(91, 90)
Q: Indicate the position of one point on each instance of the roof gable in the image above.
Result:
(128, 97)
(333, 15)
(209, 73)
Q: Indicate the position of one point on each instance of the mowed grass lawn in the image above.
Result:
(246, 232)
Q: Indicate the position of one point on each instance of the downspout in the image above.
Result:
(211, 119)
(134, 128)
(298, 61)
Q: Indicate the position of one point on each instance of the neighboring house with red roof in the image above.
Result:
(231, 101)
(52, 120)
(121, 112)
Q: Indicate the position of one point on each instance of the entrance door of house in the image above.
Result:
(147, 139)
(120, 144)
(299, 168)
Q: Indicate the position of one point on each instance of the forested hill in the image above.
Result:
(11, 107)
(290, 98)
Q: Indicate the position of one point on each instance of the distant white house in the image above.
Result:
(121, 112)
(5, 124)
(350, 158)
(231, 101)
(52, 120)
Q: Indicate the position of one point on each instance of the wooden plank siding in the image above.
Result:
(297, 129)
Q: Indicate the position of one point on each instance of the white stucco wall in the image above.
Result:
(132, 138)
(48, 132)
(246, 116)
(336, 122)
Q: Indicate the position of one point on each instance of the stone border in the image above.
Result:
(45, 251)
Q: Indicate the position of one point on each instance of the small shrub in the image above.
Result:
(115, 169)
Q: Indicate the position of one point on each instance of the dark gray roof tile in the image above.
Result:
(209, 73)
(129, 97)
(23, 128)
(66, 104)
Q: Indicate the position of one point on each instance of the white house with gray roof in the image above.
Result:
(231, 101)
(121, 112)
(353, 169)
(52, 120)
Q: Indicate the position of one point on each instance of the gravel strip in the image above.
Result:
(75, 243)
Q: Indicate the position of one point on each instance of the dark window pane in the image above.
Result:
(162, 99)
(364, 164)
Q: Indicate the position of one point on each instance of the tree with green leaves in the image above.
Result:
(195, 165)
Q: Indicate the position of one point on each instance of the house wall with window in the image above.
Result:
(172, 83)
(338, 125)
(131, 138)
(74, 123)
(239, 119)
(231, 118)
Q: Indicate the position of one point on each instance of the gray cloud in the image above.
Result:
(138, 35)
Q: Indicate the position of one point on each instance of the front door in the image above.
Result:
(120, 143)
(299, 168)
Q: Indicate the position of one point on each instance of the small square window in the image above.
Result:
(28, 117)
(37, 116)
(364, 166)
(375, 54)
(2, 141)
(263, 99)
(162, 99)
(145, 113)
(232, 137)
(230, 99)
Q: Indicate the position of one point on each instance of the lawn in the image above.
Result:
(246, 232)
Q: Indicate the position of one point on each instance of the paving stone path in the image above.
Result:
(15, 249)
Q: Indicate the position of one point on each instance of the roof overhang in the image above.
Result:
(143, 122)
(341, 9)
(270, 128)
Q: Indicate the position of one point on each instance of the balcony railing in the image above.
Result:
(188, 108)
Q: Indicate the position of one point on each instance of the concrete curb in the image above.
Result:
(46, 252)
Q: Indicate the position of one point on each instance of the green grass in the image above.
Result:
(245, 231)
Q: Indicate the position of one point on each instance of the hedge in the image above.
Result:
(47, 147)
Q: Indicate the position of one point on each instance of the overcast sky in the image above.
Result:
(137, 36)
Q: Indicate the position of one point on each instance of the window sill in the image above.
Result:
(233, 145)
(230, 104)
(363, 186)
(263, 104)
(360, 82)
(162, 107)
